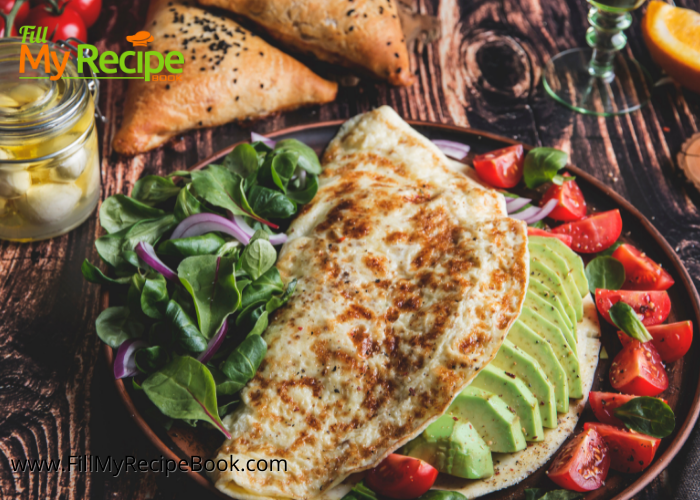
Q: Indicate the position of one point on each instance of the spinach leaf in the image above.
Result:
(154, 297)
(278, 301)
(187, 204)
(154, 189)
(277, 169)
(185, 389)
(227, 408)
(248, 317)
(270, 204)
(362, 492)
(540, 494)
(185, 334)
(627, 320)
(307, 156)
(151, 359)
(262, 289)
(243, 160)
(159, 334)
(258, 257)
(611, 250)
(224, 386)
(260, 325)
(243, 362)
(93, 274)
(304, 195)
(229, 249)
(147, 231)
(441, 495)
(542, 165)
(115, 325)
(212, 283)
(205, 244)
(646, 415)
(217, 185)
(605, 272)
(120, 212)
(109, 247)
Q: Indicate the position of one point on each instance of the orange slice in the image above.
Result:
(672, 35)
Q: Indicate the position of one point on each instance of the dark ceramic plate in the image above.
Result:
(683, 395)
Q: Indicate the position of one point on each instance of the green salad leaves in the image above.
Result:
(191, 325)
(542, 165)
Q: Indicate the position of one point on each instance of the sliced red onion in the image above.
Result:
(275, 239)
(125, 361)
(265, 140)
(456, 150)
(198, 224)
(214, 343)
(515, 204)
(147, 253)
(544, 211)
(525, 214)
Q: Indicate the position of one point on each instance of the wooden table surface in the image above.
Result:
(56, 393)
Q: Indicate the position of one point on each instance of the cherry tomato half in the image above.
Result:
(401, 477)
(604, 404)
(638, 370)
(61, 26)
(570, 203)
(642, 272)
(502, 168)
(89, 10)
(672, 341)
(565, 238)
(629, 451)
(595, 233)
(20, 18)
(651, 307)
(582, 464)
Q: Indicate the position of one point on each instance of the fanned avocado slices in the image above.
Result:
(552, 260)
(574, 261)
(546, 276)
(549, 305)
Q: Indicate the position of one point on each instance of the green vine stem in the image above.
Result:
(10, 17)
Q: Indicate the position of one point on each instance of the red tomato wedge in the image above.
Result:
(401, 477)
(672, 340)
(502, 168)
(582, 464)
(642, 272)
(637, 369)
(604, 404)
(565, 238)
(629, 451)
(571, 205)
(652, 308)
(595, 233)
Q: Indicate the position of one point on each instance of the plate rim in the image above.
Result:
(637, 486)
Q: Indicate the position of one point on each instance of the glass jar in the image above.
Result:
(49, 158)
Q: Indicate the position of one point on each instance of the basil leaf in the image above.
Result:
(184, 389)
(205, 244)
(627, 320)
(218, 186)
(93, 274)
(212, 283)
(151, 359)
(646, 415)
(120, 212)
(540, 494)
(308, 160)
(605, 272)
(270, 204)
(154, 189)
(258, 257)
(243, 160)
(185, 334)
(440, 495)
(115, 325)
(542, 165)
(611, 250)
(243, 362)
(362, 492)
(187, 204)
(154, 297)
(306, 194)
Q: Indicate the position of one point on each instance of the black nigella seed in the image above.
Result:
(209, 109)
(167, 87)
(200, 124)
(202, 69)
(351, 28)
(261, 85)
(350, 12)
(237, 97)
(262, 54)
(396, 55)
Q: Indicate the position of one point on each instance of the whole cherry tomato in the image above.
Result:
(89, 10)
(62, 24)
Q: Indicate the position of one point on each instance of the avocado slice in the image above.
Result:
(492, 419)
(512, 359)
(545, 310)
(535, 346)
(567, 357)
(545, 298)
(572, 259)
(545, 275)
(516, 395)
(551, 259)
(454, 447)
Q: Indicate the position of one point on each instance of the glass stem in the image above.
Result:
(606, 38)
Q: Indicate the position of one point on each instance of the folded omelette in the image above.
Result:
(409, 277)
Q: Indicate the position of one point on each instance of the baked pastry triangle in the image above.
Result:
(229, 74)
(360, 34)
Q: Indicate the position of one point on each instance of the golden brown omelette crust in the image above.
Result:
(388, 322)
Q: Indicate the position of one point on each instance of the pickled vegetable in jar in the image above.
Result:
(49, 158)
